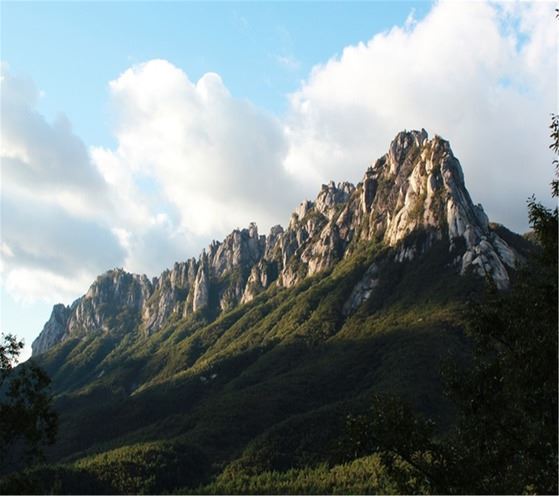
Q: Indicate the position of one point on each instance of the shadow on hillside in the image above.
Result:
(225, 407)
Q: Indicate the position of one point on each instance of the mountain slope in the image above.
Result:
(289, 355)
(252, 354)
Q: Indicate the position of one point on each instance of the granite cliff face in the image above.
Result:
(409, 199)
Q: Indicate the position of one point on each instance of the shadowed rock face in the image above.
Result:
(54, 329)
(417, 187)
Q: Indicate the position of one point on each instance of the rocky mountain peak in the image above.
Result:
(416, 187)
(113, 294)
(426, 191)
(241, 247)
(332, 195)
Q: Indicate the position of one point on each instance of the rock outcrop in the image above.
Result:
(113, 302)
(169, 294)
(53, 330)
(362, 290)
(416, 188)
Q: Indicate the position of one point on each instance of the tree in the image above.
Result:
(27, 420)
(555, 147)
(505, 438)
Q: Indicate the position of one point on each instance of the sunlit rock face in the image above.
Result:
(169, 292)
(416, 188)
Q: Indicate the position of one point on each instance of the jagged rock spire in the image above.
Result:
(417, 186)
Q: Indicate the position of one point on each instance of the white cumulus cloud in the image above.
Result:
(216, 160)
(482, 75)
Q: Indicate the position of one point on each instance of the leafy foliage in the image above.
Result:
(27, 421)
(505, 440)
(138, 469)
(403, 441)
(360, 476)
(554, 126)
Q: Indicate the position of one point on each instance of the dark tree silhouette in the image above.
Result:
(27, 420)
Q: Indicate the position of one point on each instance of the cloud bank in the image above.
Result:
(193, 162)
(54, 237)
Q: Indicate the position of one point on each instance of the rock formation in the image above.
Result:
(53, 331)
(416, 188)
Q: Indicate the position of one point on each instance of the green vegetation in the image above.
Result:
(361, 476)
(505, 436)
(137, 469)
(266, 385)
(27, 422)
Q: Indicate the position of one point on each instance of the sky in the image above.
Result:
(134, 133)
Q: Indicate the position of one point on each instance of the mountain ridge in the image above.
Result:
(412, 197)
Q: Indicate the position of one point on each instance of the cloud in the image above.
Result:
(191, 164)
(43, 159)
(54, 238)
(482, 75)
(217, 161)
(54, 203)
(289, 62)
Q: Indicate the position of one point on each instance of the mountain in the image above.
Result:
(417, 187)
(244, 362)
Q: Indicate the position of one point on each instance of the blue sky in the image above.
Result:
(261, 49)
(134, 133)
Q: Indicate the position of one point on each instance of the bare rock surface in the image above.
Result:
(418, 186)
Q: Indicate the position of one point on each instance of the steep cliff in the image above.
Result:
(417, 187)
(54, 329)
(409, 199)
